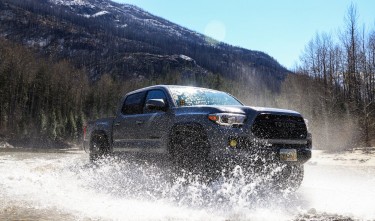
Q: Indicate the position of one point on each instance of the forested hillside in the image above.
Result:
(126, 42)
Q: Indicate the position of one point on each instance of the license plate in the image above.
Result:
(288, 154)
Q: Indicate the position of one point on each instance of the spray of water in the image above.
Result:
(126, 189)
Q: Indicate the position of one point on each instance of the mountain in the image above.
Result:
(122, 40)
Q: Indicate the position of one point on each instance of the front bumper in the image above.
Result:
(249, 148)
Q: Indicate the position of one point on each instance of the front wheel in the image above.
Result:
(290, 178)
(189, 148)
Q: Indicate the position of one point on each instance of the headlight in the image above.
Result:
(227, 119)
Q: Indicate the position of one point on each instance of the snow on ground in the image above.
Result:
(339, 186)
(355, 157)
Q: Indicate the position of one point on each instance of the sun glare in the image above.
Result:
(216, 30)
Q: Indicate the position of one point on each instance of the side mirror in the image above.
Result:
(155, 104)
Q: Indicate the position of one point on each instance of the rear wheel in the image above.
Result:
(99, 146)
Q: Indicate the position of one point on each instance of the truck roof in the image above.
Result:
(165, 86)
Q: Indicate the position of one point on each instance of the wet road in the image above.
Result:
(65, 186)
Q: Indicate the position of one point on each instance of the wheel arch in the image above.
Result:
(188, 146)
(186, 126)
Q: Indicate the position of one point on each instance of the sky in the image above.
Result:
(281, 29)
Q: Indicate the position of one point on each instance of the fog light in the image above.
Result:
(233, 143)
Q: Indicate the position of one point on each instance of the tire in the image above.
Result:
(99, 146)
(290, 178)
(189, 148)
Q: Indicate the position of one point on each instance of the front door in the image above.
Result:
(156, 122)
(128, 124)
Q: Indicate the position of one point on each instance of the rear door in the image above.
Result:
(127, 126)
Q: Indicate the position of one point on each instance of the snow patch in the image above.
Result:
(38, 42)
(136, 9)
(4, 144)
(96, 14)
(100, 14)
(70, 2)
(187, 58)
(154, 23)
(138, 14)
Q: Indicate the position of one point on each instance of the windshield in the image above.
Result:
(191, 96)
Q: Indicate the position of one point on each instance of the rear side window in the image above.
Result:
(133, 104)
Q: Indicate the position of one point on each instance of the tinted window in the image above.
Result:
(133, 104)
(155, 94)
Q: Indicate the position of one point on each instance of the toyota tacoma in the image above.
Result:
(193, 125)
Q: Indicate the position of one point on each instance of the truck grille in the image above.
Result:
(272, 126)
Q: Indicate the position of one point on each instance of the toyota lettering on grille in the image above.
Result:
(285, 125)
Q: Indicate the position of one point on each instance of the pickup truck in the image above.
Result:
(193, 125)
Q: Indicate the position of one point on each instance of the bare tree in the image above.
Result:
(350, 40)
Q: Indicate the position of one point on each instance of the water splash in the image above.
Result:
(127, 189)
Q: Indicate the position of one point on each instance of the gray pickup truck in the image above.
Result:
(193, 125)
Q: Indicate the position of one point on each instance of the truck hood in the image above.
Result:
(274, 110)
(243, 109)
(246, 109)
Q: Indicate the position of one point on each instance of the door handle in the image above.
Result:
(139, 122)
(117, 124)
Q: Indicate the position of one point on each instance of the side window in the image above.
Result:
(133, 104)
(155, 94)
